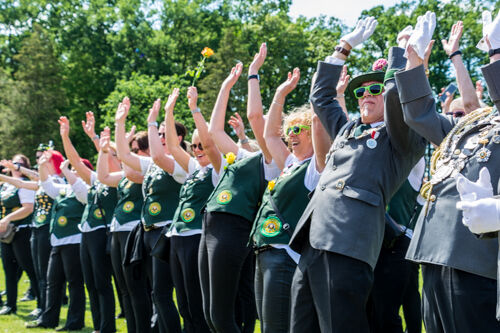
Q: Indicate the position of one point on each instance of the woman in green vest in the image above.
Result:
(40, 234)
(284, 200)
(162, 181)
(127, 214)
(100, 203)
(17, 208)
(65, 238)
(225, 258)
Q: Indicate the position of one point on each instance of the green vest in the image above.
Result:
(194, 194)
(240, 188)
(43, 209)
(130, 200)
(9, 201)
(402, 205)
(101, 200)
(66, 215)
(161, 196)
(290, 197)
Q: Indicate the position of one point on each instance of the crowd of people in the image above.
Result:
(319, 224)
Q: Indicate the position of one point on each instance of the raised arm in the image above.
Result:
(321, 142)
(465, 86)
(19, 183)
(209, 146)
(341, 87)
(172, 140)
(239, 128)
(89, 128)
(156, 149)
(491, 72)
(223, 141)
(122, 144)
(255, 112)
(103, 174)
(71, 152)
(273, 132)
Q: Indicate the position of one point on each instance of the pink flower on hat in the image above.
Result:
(379, 65)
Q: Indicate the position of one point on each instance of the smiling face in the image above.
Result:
(301, 142)
(198, 153)
(371, 107)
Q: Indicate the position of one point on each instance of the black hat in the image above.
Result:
(377, 74)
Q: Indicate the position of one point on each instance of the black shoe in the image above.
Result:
(35, 324)
(65, 329)
(27, 297)
(35, 313)
(7, 310)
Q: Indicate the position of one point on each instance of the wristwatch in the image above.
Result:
(254, 76)
(492, 52)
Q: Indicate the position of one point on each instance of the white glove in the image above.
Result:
(480, 189)
(490, 29)
(406, 32)
(482, 215)
(364, 29)
(422, 34)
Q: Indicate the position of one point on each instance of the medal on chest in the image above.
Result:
(372, 142)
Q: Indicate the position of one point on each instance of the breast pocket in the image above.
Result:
(362, 195)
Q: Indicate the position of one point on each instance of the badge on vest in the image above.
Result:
(154, 208)
(224, 197)
(41, 218)
(128, 207)
(98, 213)
(187, 215)
(271, 227)
(62, 221)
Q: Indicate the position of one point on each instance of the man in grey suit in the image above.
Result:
(340, 233)
(459, 269)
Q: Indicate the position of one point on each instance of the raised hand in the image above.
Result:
(63, 126)
(480, 189)
(172, 99)
(453, 43)
(105, 140)
(491, 32)
(8, 164)
(122, 110)
(422, 34)
(89, 125)
(192, 96)
(233, 76)
(154, 111)
(237, 124)
(445, 106)
(427, 53)
(46, 158)
(403, 36)
(65, 165)
(258, 60)
(289, 85)
(364, 29)
(343, 81)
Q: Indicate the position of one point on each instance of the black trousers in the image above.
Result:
(330, 293)
(160, 279)
(222, 258)
(457, 301)
(14, 255)
(64, 265)
(184, 267)
(97, 271)
(395, 284)
(40, 252)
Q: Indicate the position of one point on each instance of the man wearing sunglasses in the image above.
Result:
(340, 233)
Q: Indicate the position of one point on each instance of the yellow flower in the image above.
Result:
(207, 52)
(230, 158)
(271, 184)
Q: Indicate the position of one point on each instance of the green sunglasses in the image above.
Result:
(373, 89)
(296, 129)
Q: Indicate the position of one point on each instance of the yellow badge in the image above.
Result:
(154, 208)
(224, 197)
(188, 215)
(128, 206)
(98, 213)
(271, 227)
(41, 218)
(62, 221)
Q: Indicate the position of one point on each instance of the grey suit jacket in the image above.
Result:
(440, 237)
(346, 212)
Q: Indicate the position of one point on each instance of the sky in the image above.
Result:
(346, 10)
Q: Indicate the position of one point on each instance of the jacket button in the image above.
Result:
(341, 145)
(323, 187)
(334, 167)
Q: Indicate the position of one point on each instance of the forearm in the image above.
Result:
(30, 185)
(255, 116)
(321, 143)
(179, 154)
(20, 213)
(219, 113)
(123, 149)
(31, 174)
(272, 132)
(465, 86)
(206, 140)
(74, 159)
(491, 73)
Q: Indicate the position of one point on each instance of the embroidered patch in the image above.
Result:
(62, 221)
(271, 227)
(128, 206)
(224, 197)
(41, 218)
(188, 215)
(154, 208)
(98, 213)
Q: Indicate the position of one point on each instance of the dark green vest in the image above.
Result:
(290, 197)
(193, 196)
(161, 196)
(43, 209)
(240, 188)
(130, 201)
(66, 215)
(9, 201)
(101, 200)
(402, 205)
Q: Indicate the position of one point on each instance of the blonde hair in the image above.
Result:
(301, 115)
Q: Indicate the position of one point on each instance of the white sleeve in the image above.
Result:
(312, 175)
(93, 177)
(290, 160)
(334, 61)
(217, 173)
(26, 196)
(52, 188)
(243, 153)
(81, 189)
(271, 170)
(145, 163)
(417, 174)
(193, 165)
(179, 174)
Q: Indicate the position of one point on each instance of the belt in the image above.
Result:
(150, 227)
(263, 249)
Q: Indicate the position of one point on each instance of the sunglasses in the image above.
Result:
(456, 114)
(134, 150)
(296, 129)
(373, 89)
(162, 135)
(194, 145)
